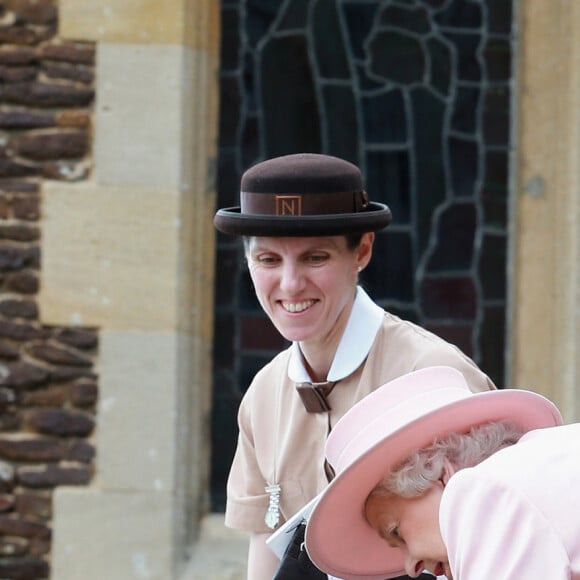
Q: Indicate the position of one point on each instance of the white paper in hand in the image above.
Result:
(279, 540)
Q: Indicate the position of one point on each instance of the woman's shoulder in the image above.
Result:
(397, 332)
(416, 347)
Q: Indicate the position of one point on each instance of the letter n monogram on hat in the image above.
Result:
(288, 205)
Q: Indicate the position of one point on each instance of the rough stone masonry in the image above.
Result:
(48, 383)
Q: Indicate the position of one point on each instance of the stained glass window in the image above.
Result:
(415, 92)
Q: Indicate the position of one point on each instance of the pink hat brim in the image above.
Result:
(339, 540)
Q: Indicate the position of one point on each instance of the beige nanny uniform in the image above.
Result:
(281, 444)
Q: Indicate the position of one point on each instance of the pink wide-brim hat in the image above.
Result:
(379, 432)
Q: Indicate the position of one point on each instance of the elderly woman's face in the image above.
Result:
(412, 524)
(306, 285)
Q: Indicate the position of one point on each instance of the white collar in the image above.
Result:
(356, 341)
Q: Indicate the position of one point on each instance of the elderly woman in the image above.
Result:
(309, 228)
(432, 477)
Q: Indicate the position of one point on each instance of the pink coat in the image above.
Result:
(516, 516)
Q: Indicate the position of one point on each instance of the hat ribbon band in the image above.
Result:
(299, 204)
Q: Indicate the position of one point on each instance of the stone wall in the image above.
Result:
(48, 384)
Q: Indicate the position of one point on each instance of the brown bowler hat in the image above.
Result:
(305, 194)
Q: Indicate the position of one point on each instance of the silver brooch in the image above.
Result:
(272, 516)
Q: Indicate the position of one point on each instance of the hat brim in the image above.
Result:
(341, 542)
(231, 221)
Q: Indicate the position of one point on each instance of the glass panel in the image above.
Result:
(449, 298)
(229, 110)
(496, 112)
(291, 117)
(392, 274)
(441, 65)
(387, 181)
(342, 138)
(498, 59)
(494, 189)
(295, 16)
(359, 18)
(493, 280)
(384, 118)
(428, 117)
(460, 14)
(466, 50)
(456, 230)
(466, 109)
(413, 19)
(328, 41)
(397, 57)
(464, 162)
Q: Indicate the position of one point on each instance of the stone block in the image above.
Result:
(60, 422)
(25, 567)
(220, 554)
(62, 144)
(12, 308)
(50, 476)
(113, 535)
(136, 438)
(47, 94)
(139, 121)
(22, 375)
(123, 245)
(22, 447)
(58, 355)
(189, 22)
(22, 282)
(13, 526)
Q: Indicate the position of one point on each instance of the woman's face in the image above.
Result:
(307, 285)
(412, 525)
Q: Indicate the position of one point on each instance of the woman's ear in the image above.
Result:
(448, 471)
(365, 250)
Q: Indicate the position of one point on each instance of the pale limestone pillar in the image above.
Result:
(131, 252)
(545, 337)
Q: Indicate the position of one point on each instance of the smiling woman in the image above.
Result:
(309, 229)
(307, 287)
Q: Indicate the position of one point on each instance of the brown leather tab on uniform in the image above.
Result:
(299, 204)
(314, 395)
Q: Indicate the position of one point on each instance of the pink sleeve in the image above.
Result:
(493, 531)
